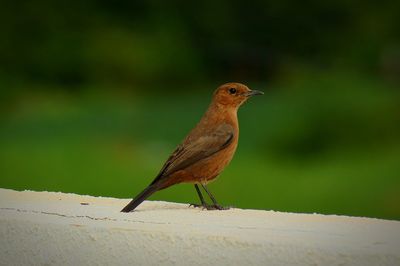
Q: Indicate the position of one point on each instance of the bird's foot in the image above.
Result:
(194, 205)
(214, 207)
(209, 207)
(217, 207)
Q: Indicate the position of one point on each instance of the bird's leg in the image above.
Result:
(216, 205)
(203, 203)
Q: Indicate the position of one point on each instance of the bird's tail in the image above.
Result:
(147, 192)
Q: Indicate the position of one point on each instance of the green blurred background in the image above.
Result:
(96, 94)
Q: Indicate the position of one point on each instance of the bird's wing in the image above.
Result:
(204, 146)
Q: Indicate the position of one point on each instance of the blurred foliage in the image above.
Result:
(154, 42)
(96, 94)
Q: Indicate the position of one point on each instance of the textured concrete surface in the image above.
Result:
(46, 228)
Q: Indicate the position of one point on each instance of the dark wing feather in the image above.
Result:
(198, 149)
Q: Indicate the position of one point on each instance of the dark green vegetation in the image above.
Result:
(95, 96)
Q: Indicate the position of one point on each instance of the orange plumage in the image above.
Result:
(206, 150)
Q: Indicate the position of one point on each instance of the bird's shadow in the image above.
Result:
(178, 206)
(168, 207)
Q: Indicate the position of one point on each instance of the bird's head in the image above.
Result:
(233, 94)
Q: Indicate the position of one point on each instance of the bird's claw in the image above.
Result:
(218, 207)
(194, 205)
(209, 207)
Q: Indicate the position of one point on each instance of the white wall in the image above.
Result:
(46, 228)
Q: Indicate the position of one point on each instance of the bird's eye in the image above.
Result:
(232, 90)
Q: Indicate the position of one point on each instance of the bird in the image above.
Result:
(206, 150)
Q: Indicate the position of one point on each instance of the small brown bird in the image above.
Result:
(207, 149)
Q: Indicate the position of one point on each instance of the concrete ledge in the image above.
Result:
(46, 228)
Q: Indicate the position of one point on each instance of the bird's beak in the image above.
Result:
(253, 93)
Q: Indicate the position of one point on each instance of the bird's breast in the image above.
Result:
(208, 169)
